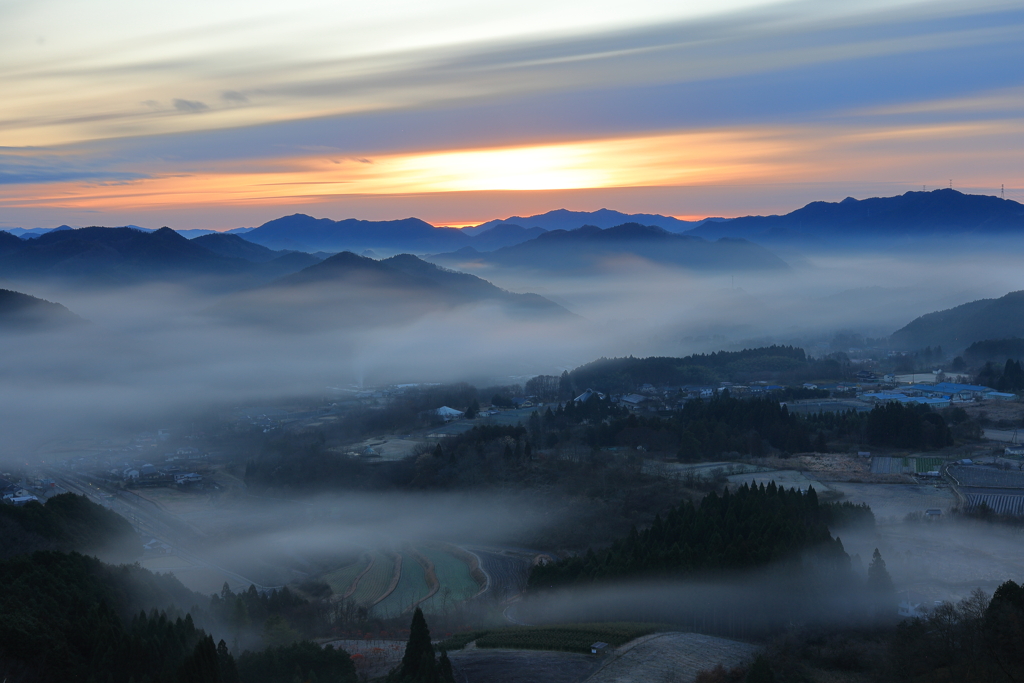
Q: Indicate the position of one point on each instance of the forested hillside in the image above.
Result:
(67, 522)
(750, 528)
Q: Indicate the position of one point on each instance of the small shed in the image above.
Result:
(599, 648)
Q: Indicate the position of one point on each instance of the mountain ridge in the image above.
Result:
(586, 248)
(912, 215)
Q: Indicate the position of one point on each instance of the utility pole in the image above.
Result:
(1002, 191)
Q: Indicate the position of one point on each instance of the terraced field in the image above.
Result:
(457, 583)
(507, 572)
(412, 587)
(671, 657)
(341, 579)
(376, 580)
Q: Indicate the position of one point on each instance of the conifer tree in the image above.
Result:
(418, 664)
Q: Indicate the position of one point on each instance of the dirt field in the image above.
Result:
(521, 666)
(996, 410)
(670, 658)
(892, 502)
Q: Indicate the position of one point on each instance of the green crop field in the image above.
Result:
(453, 575)
(340, 579)
(411, 587)
(567, 638)
(929, 464)
(376, 581)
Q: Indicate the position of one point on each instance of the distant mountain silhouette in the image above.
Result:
(305, 233)
(503, 235)
(24, 313)
(234, 246)
(957, 328)
(914, 215)
(590, 247)
(347, 290)
(563, 219)
(115, 256)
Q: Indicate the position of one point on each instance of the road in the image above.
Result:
(149, 519)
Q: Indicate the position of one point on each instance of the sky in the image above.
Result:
(228, 114)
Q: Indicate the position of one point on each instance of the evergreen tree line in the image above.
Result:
(749, 528)
(743, 564)
(619, 375)
(69, 617)
(254, 618)
(67, 522)
(895, 425)
(1009, 378)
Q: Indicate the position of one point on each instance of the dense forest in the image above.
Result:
(892, 424)
(67, 522)
(747, 563)
(751, 527)
(66, 616)
(783, 364)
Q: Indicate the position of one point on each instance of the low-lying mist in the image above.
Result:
(159, 350)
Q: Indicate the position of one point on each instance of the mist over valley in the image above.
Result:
(511, 343)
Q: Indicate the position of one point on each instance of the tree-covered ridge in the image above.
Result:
(68, 617)
(892, 424)
(751, 527)
(627, 374)
(67, 522)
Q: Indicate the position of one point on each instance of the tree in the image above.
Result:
(760, 671)
(565, 386)
(418, 664)
(880, 586)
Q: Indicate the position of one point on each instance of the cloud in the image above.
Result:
(44, 168)
(234, 97)
(189, 105)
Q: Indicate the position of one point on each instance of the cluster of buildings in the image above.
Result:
(142, 464)
(940, 395)
(29, 490)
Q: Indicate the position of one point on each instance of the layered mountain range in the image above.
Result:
(957, 328)
(348, 290)
(589, 249)
(910, 217)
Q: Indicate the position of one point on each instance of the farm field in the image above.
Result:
(892, 502)
(457, 584)
(671, 657)
(904, 465)
(412, 586)
(376, 580)
(341, 579)
(521, 666)
(506, 573)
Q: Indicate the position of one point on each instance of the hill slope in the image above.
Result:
(347, 290)
(563, 219)
(23, 313)
(939, 213)
(117, 256)
(589, 247)
(305, 233)
(957, 328)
